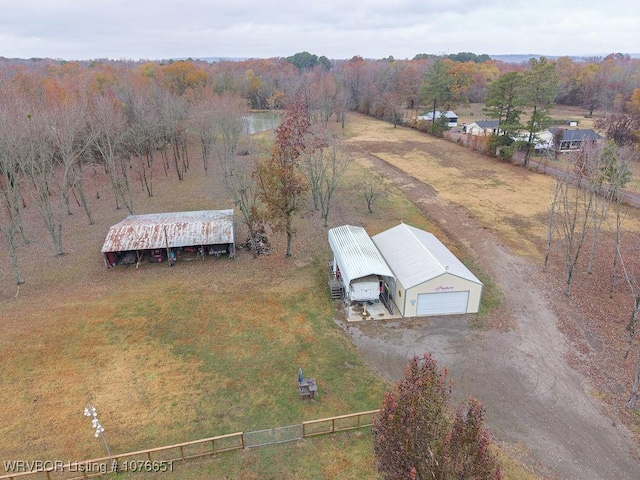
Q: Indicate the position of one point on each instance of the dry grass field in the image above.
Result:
(174, 354)
(212, 347)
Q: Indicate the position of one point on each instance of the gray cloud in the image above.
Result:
(78, 29)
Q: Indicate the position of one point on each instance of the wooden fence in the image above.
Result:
(161, 458)
(338, 424)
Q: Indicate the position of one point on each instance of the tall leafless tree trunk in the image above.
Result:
(323, 168)
(551, 220)
(239, 181)
(109, 124)
(575, 215)
(618, 238)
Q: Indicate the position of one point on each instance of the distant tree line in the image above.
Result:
(61, 120)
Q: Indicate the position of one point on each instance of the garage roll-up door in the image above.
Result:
(444, 303)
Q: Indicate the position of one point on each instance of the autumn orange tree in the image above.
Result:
(416, 436)
(280, 180)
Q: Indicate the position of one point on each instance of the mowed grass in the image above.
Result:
(345, 456)
(505, 198)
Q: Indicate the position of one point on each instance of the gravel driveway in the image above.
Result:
(531, 395)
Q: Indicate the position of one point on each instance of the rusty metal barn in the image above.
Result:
(169, 236)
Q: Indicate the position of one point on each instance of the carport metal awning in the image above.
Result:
(356, 254)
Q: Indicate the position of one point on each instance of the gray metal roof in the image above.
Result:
(487, 123)
(416, 256)
(578, 134)
(428, 116)
(356, 254)
(176, 229)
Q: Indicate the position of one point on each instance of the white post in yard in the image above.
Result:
(90, 411)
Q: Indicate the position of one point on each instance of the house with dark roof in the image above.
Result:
(568, 140)
(482, 127)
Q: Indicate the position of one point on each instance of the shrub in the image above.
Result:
(416, 436)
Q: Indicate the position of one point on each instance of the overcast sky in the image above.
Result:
(162, 29)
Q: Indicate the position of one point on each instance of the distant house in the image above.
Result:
(482, 127)
(573, 139)
(543, 141)
(451, 117)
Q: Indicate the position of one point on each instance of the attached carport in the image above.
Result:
(360, 267)
(430, 280)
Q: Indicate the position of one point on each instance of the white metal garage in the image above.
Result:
(430, 280)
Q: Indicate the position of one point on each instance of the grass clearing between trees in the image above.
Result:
(169, 355)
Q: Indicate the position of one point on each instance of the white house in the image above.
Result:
(482, 127)
(430, 280)
(569, 139)
(542, 140)
(451, 117)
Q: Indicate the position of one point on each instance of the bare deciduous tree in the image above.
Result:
(324, 167)
(551, 221)
(574, 209)
(229, 125)
(619, 175)
(173, 114)
(109, 125)
(239, 181)
(202, 120)
(53, 164)
(145, 132)
(632, 279)
(11, 224)
(373, 188)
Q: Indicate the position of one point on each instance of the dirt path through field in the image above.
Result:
(531, 394)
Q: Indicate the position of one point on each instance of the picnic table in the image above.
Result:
(307, 387)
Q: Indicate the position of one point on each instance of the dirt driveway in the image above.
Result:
(532, 396)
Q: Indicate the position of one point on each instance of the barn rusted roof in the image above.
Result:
(175, 229)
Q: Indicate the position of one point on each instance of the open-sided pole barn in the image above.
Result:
(163, 235)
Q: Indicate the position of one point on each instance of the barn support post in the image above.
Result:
(166, 241)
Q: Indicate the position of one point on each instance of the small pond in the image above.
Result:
(262, 121)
